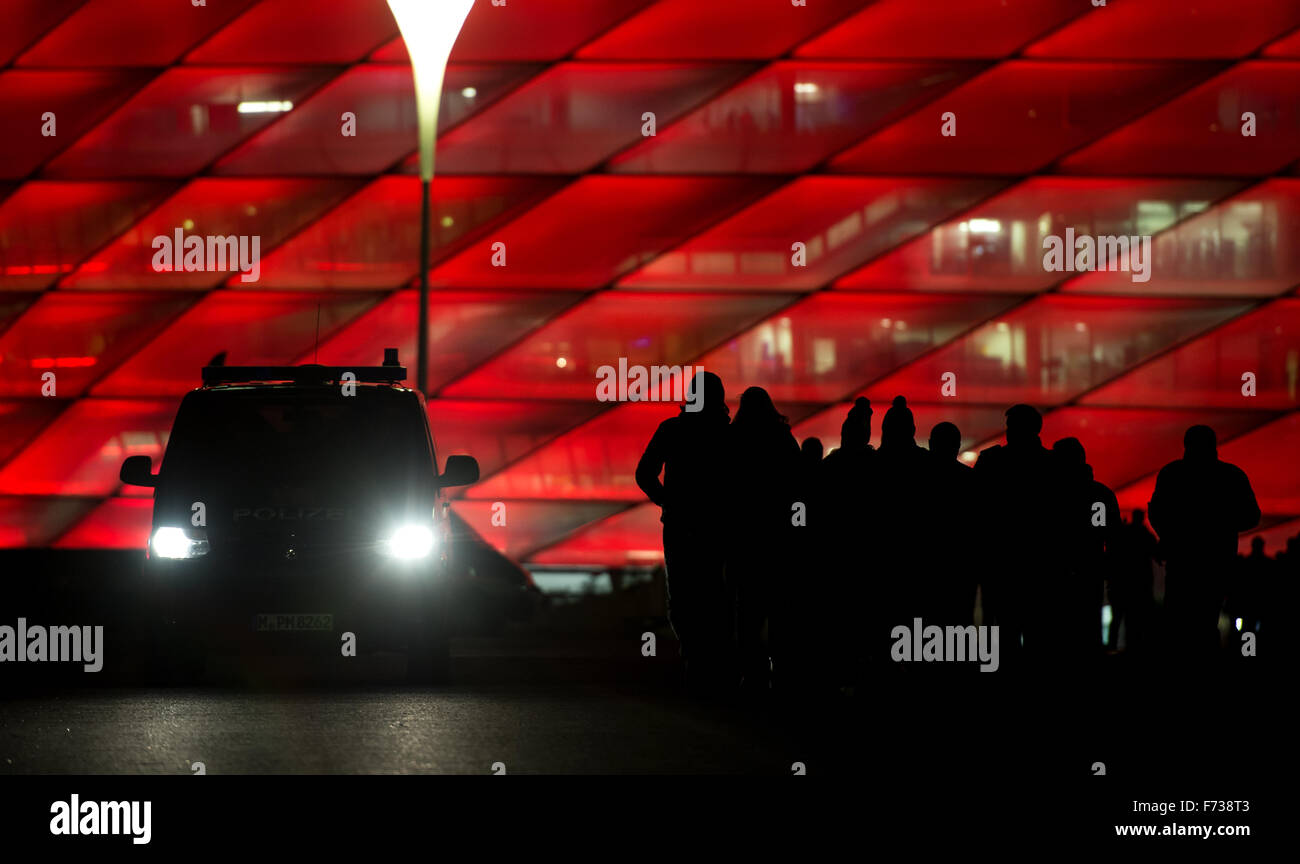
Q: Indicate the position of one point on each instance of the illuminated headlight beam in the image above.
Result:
(174, 543)
(410, 542)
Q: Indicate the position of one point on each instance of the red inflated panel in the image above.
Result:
(77, 99)
(999, 245)
(1018, 117)
(372, 240)
(26, 20)
(1054, 348)
(497, 432)
(81, 452)
(79, 338)
(576, 115)
(465, 328)
(968, 28)
(976, 422)
(1201, 133)
(842, 222)
(36, 521)
(595, 230)
(183, 119)
(254, 329)
(633, 538)
(22, 419)
(300, 31)
(527, 31)
(1288, 46)
(267, 209)
(382, 99)
(516, 528)
(130, 32)
(1170, 28)
(562, 360)
(1248, 245)
(118, 523)
(13, 304)
(831, 344)
(719, 29)
(1210, 371)
(47, 228)
(595, 461)
(791, 116)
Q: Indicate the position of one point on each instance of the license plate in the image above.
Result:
(277, 621)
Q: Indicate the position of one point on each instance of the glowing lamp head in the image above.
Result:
(429, 28)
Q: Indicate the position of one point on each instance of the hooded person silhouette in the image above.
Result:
(764, 465)
(1199, 506)
(845, 526)
(690, 449)
(905, 589)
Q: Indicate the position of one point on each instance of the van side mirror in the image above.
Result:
(461, 471)
(138, 471)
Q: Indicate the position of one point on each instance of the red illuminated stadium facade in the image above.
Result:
(775, 125)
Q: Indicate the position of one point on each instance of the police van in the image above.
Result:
(296, 505)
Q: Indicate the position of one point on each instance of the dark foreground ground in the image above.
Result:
(570, 692)
(546, 706)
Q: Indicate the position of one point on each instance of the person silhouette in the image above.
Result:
(1130, 585)
(1072, 608)
(948, 535)
(690, 449)
(811, 450)
(803, 634)
(843, 524)
(1199, 506)
(764, 461)
(1020, 488)
(1254, 572)
(903, 472)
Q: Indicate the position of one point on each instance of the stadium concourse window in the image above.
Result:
(563, 585)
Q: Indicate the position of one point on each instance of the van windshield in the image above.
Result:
(300, 446)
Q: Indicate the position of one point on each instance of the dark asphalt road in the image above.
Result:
(552, 729)
(598, 707)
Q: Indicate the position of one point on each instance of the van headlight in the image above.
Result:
(175, 543)
(409, 541)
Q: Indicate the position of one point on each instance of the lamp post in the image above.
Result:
(429, 28)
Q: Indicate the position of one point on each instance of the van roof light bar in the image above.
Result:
(217, 372)
(310, 374)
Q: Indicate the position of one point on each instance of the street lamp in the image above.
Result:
(429, 28)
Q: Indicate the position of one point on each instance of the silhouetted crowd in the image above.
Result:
(788, 568)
